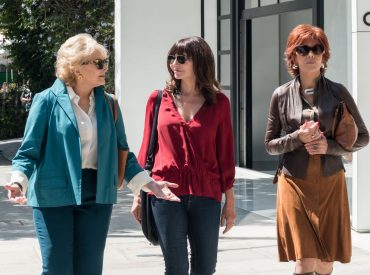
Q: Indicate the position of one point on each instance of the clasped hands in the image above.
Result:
(314, 140)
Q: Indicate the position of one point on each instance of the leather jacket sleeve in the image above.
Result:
(275, 143)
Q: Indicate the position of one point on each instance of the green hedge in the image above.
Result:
(12, 114)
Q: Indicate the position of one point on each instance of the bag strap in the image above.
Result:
(154, 134)
(337, 116)
(113, 105)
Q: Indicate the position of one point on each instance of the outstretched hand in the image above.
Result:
(15, 193)
(161, 191)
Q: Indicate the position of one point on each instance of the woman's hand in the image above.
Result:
(318, 146)
(309, 131)
(15, 193)
(135, 208)
(161, 191)
(228, 214)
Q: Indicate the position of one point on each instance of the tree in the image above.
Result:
(37, 28)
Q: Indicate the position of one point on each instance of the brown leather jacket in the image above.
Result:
(285, 118)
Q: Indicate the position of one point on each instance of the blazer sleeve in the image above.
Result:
(29, 153)
(363, 135)
(132, 166)
(275, 143)
(149, 113)
(225, 146)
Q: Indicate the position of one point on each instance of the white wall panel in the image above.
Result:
(147, 30)
(360, 87)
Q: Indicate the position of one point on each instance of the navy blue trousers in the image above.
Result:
(196, 219)
(72, 238)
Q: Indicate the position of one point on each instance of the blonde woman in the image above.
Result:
(67, 163)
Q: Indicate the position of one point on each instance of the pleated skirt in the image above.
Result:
(313, 219)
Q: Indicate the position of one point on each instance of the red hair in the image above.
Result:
(299, 36)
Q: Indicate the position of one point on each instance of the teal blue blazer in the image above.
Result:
(50, 153)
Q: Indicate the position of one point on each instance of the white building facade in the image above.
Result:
(248, 40)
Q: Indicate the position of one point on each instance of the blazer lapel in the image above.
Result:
(60, 90)
(65, 102)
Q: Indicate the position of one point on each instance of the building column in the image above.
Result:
(118, 61)
(361, 94)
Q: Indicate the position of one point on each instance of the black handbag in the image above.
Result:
(147, 220)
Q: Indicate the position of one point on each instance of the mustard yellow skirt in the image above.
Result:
(313, 219)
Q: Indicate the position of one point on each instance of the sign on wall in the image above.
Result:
(361, 11)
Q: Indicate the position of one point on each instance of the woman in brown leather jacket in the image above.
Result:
(313, 222)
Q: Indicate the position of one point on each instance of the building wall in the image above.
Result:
(348, 38)
(360, 87)
(337, 25)
(145, 31)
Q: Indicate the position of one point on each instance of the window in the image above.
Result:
(2, 68)
(224, 43)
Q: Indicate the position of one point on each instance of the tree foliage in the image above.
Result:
(13, 114)
(37, 28)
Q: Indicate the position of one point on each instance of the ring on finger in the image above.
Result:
(314, 146)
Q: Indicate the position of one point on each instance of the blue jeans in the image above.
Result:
(72, 238)
(196, 219)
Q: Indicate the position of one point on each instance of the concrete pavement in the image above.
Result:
(250, 248)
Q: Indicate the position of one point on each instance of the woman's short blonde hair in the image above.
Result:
(76, 50)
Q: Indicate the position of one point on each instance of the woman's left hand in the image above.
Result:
(228, 214)
(318, 146)
(161, 191)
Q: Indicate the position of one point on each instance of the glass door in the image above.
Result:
(263, 37)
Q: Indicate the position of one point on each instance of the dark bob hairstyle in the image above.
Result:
(201, 54)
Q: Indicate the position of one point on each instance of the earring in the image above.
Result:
(322, 66)
(294, 67)
(79, 77)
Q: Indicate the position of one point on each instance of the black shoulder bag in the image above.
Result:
(147, 220)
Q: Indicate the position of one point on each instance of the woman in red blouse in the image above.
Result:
(196, 151)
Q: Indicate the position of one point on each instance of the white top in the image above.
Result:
(87, 128)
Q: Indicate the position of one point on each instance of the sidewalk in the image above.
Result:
(250, 247)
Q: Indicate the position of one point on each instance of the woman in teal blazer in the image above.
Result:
(67, 163)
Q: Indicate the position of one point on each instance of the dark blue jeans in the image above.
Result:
(196, 219)
(72, 238)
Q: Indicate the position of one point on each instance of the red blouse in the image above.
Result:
(198, 155)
